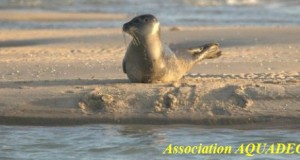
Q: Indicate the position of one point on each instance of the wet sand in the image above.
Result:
(74, 76)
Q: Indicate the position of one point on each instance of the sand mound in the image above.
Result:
(194, 98)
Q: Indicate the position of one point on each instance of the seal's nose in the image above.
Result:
(125, 27)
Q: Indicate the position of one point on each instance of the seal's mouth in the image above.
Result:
(128, 28)
(131, 30)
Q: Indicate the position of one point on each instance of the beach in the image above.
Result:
(69, 76)
(63, 93)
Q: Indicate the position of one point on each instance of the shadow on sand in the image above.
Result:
(46, 41)
(61, 82)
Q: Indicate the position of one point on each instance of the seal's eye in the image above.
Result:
(146, 19)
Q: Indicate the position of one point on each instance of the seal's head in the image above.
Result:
(142, 25)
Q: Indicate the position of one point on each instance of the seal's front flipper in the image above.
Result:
(208, 51)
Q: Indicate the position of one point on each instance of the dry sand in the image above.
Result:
(74, 76)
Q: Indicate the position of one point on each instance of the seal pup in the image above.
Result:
(148, 60)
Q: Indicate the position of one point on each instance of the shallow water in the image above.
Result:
(130, 141)
(170, 12)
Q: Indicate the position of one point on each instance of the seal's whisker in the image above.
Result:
(136, 39)
(133, 39)
(134, 42)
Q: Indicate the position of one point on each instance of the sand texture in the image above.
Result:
(74, 76)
